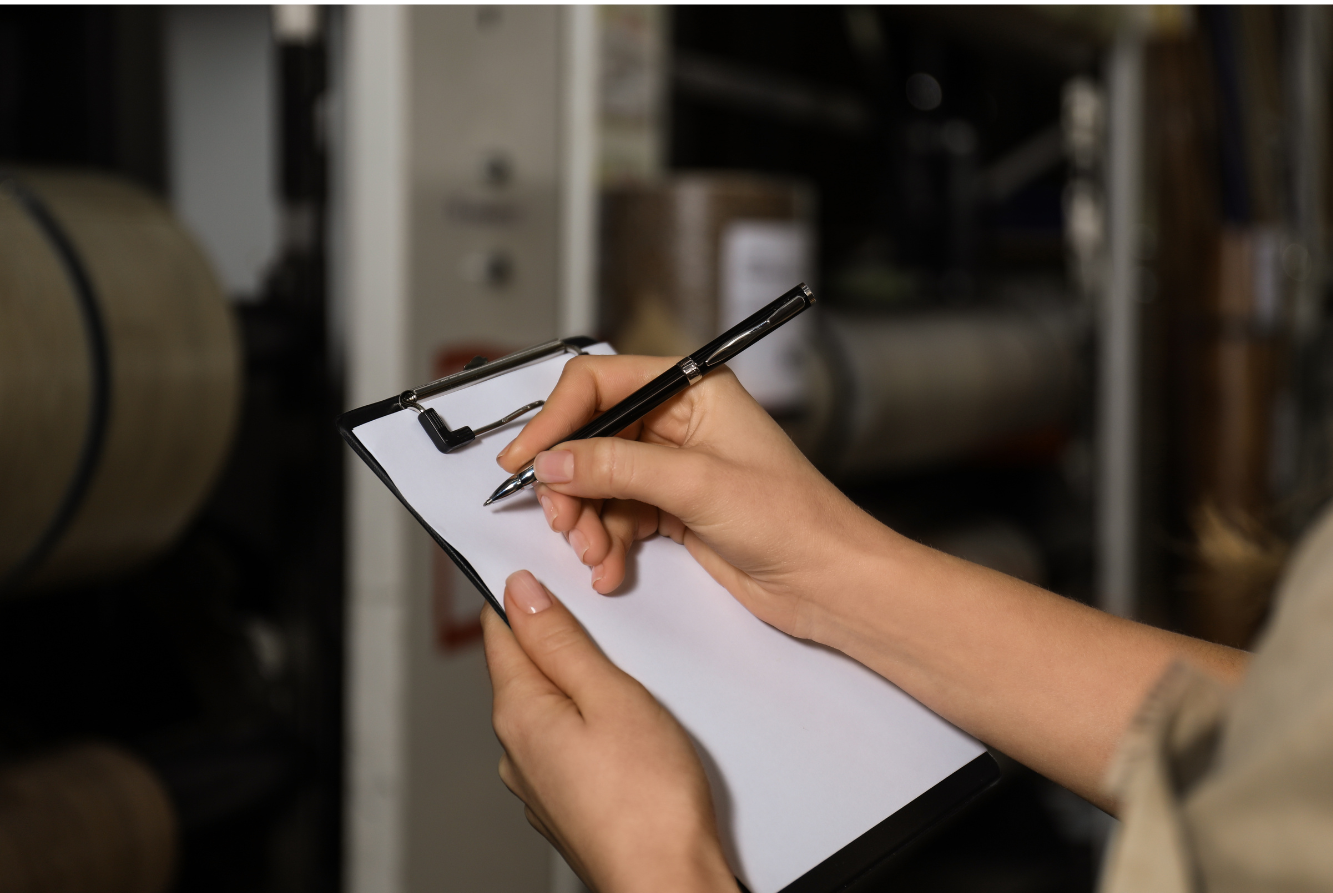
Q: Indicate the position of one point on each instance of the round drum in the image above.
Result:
(119, 378)
(89, 817)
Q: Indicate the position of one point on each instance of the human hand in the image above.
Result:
(710, 469)
(607, 775)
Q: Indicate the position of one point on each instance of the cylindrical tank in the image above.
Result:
(90, 818)
(119, 377)
(892, 392)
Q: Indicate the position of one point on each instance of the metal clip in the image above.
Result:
(446, 440)
(478, 369)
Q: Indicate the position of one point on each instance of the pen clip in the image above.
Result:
(741, 340)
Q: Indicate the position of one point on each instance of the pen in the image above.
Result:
(676, 379)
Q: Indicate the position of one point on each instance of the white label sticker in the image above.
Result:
(761, 259)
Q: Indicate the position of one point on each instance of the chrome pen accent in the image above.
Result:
(742, 340)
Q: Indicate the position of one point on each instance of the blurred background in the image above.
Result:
(1074, 326)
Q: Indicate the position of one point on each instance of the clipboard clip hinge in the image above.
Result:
(447, 440)
(477, 369)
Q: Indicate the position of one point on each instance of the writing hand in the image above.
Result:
(710, 469)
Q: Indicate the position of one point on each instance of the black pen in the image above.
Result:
(676, 379)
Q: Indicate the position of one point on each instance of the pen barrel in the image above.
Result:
(707, 358)
(635, 406)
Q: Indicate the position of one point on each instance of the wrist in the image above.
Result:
(697, 866)
(853, 600)
(707, 870)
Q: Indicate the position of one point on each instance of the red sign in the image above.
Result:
(457, 613)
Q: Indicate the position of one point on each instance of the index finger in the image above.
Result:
(588, 385)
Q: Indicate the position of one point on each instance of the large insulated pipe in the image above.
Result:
(119, 378)
(893, 392)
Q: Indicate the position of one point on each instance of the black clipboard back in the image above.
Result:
(857, 867)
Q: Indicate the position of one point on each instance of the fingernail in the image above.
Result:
(578, 542)
(597, 574)
(549, 508)
(500, 456)
(522, 591)
(554, 467)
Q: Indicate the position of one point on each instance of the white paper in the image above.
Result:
(805, 749)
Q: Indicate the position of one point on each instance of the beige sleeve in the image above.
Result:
(1233, 793)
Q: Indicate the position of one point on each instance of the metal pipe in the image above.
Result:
(1117, 523)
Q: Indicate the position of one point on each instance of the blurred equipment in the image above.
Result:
(88, 818)
(191, 606)
(686, 258)
(119, 376)
(890, 393)
(1083, 115)
(1238, 259)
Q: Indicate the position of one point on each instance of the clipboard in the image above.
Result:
(796, 739)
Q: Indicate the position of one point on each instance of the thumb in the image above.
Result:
(555, 641)
(670, 478)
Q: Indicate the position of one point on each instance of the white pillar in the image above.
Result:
(580, 51)
(377, 294)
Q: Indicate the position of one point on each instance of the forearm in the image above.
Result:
(1047, 680)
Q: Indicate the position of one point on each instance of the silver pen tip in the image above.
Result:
(511, 486)
(504, 491)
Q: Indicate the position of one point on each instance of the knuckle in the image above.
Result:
(509, 774)
(649, 521)
(508, 727)
(615, 467)
(560, 641)
(579, 376)
(619, 520)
